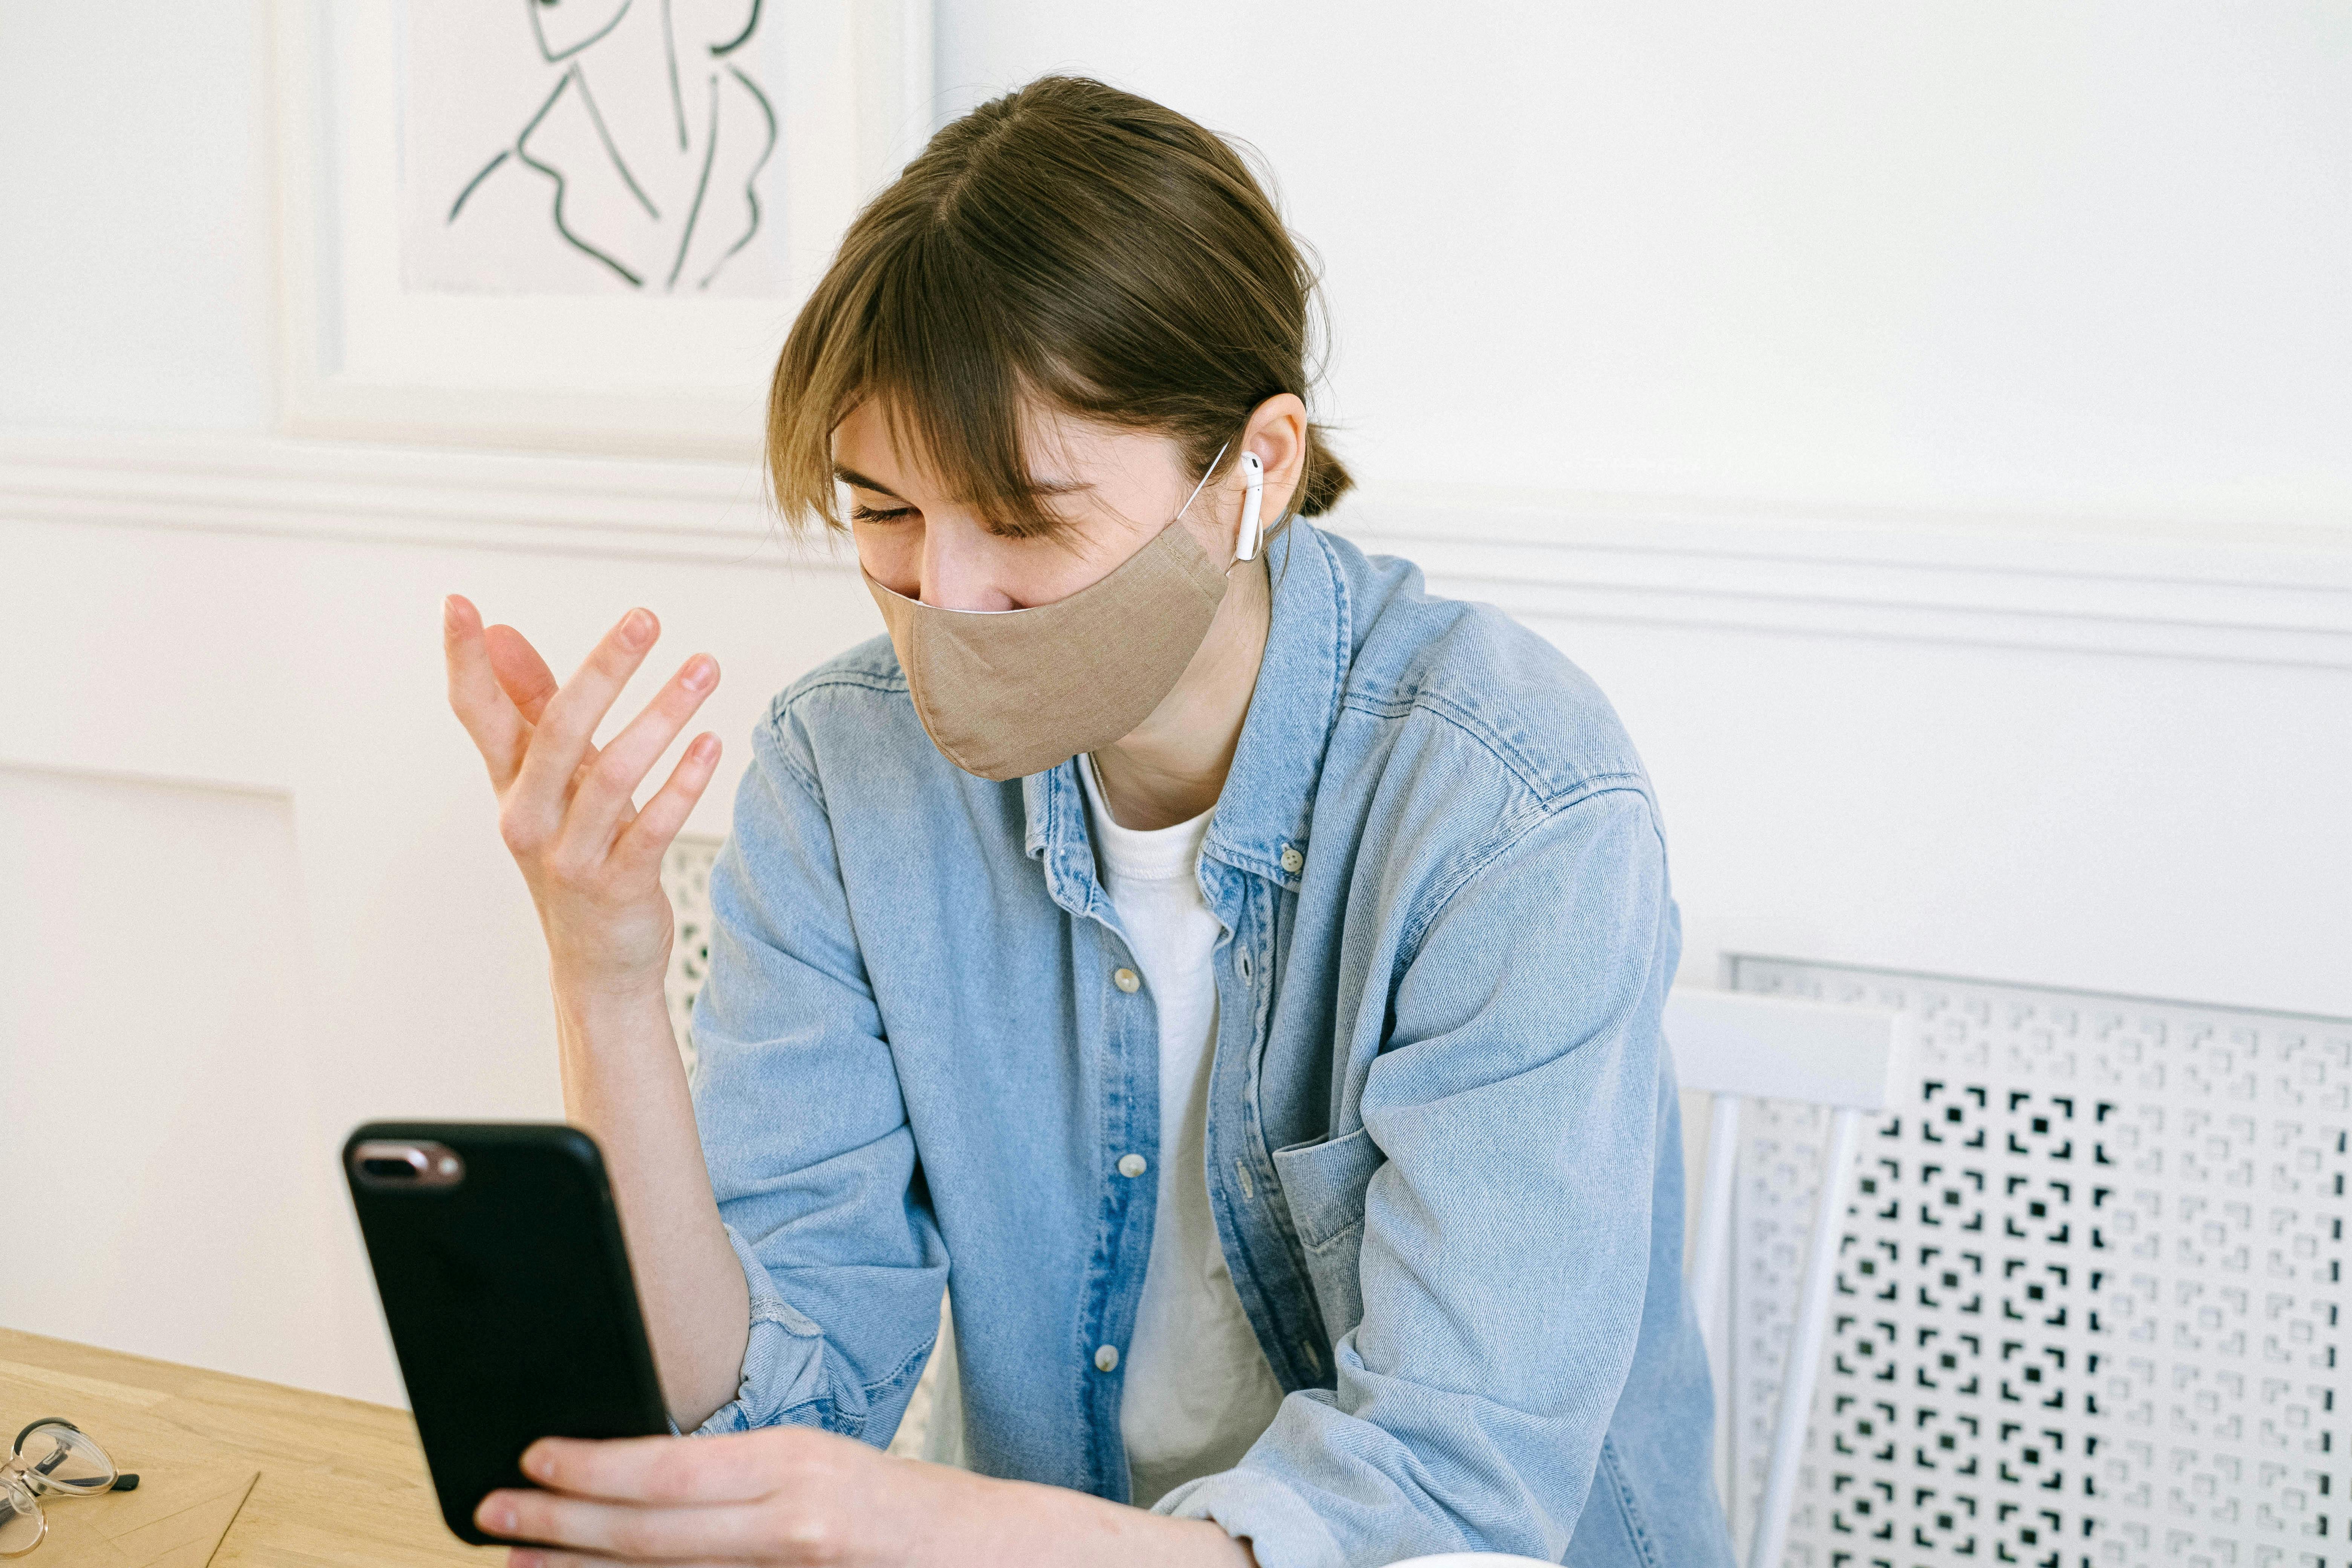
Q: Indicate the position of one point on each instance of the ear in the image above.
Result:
(1276, 432)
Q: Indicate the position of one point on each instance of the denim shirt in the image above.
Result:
(1444, 1150)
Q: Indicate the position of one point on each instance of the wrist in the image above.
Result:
(606, 967)
(591, 1009)
(601, 985)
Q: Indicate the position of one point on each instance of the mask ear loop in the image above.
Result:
(1204, 479)
(1180, 512)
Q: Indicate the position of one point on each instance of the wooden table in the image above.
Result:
(343, 1482)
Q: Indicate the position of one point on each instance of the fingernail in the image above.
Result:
(699, 672)
(536, 1464)
(635, 627)
(449, 612)
(496, 1516)
(523, 1557)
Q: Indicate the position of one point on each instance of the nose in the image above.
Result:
(959, 571)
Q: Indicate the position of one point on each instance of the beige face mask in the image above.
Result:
(1006, 693)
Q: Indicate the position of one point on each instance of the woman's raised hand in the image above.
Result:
(566, 810)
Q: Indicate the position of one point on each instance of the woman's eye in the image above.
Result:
(868, 514)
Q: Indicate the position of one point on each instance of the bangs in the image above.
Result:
(920, 331)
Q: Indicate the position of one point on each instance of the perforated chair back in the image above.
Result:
(1735, 1046)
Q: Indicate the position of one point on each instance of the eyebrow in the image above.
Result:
(851, 477)
(1040, 487)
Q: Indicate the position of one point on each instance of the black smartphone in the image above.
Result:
(497, 1256)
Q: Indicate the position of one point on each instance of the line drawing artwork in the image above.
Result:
(643, 153)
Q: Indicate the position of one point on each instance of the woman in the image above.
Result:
(1242, 968)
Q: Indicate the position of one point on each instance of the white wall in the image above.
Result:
(135, 283)
(2078, 255)
(2082, 258)
(2008, 348)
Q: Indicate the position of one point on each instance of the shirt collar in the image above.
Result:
(1269, 792)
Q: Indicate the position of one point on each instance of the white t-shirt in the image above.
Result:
(1198, 1390)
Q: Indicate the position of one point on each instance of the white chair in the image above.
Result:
(1736, 1047)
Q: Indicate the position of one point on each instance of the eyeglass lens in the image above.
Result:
(55, 1457)
(21, 1523)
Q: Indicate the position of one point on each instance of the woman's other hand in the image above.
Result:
(567, 810)
(794, 1496)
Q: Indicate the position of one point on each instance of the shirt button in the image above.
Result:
(1106, 1358)
(1130, 1164)
(1292, 859)
(1126, 979)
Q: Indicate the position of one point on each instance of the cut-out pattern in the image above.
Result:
(2090, 1291)
(686, 879)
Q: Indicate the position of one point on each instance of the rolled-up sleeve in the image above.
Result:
(803, 1125)
(1505, 1249)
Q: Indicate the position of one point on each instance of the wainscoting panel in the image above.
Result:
(155, 1109)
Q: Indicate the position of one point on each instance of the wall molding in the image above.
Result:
(2278, 596)
(2026, 584)
(674, 510)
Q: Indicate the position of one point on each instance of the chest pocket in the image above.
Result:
(1323, 1183)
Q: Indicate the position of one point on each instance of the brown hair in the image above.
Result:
(1068, 245)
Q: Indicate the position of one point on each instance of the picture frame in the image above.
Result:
(615, 359)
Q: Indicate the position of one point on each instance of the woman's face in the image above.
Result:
(1112, 490)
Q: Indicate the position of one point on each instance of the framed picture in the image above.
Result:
(572, 224)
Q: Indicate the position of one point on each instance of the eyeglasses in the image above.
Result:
(52, 1458)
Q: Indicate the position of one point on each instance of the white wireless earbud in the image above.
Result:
(1254, 477)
